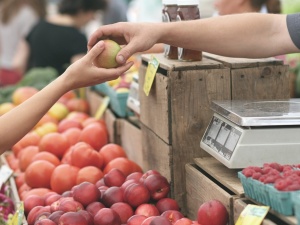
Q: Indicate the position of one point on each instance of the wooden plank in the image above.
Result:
(131, 141)
(155, 107)
(227, 177)
(232, 62)
(176, 65)
(201, 189)
(271, 82)
(110, 121)
(157, 154)
(191, 94)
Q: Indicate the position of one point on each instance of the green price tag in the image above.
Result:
(252, 215)
(150, 74)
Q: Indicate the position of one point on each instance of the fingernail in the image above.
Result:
(120, 59)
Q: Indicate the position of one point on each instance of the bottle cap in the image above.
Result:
(188, 2)
(169, 2)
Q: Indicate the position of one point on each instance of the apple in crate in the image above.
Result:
(212, 212)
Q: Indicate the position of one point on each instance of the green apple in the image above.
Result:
(107, 58)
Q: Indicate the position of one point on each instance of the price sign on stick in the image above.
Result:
(17, 218)
(102, 107)
(82, 93)
(150, 74)
(252, 215)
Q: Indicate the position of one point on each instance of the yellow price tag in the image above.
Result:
(102, 107)
(82, 93)
(252, 215)
(150, 74)
(17, 218)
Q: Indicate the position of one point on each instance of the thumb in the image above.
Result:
(126, 52)
(95, 51)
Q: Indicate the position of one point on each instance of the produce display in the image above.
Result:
(273, 185)
(36, 77)
(66, 172)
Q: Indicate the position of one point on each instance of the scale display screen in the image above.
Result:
(221, 137)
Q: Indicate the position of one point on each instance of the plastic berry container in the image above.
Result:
(281, 201)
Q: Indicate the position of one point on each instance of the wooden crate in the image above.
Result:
(229, 181)
(131, 140)
(156, 155)
(201, 188)
(177, 110)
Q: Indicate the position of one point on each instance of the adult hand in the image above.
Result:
(136, 37)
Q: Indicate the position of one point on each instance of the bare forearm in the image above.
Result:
(15, 124)
(245, 35)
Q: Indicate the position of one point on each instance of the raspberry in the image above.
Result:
(262, 178)
(287, 173)
(257, 169)
(280, 184)
(248, 172)
(273, 172)
(256, 175)
(276, 166)
(293, 187)
(270, 179)
(266, 170)
(287, 168)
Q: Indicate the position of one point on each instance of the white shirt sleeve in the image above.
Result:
(28, 18)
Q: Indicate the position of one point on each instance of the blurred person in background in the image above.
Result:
(116, 11)
(17, 17)
(144, 11)
(226, 7)
(58, 40)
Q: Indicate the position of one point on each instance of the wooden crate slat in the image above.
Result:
(232, 62)
(201, 189)
(175, 65)
(156, 153)
(227, 177)
(155, 103)
(258, 83)
(131, 141)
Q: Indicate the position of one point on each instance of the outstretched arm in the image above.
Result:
(20, 120)
(249, 35)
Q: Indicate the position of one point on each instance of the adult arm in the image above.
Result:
(20, 120)
(249, 35)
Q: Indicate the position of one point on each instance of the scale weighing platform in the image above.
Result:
(251, 133)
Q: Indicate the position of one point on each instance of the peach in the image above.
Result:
(72, 218)
(114, 178)
(107, 216)
(147, 210)
(124, 210)
(86, 193)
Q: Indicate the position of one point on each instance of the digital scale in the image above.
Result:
(251, 133)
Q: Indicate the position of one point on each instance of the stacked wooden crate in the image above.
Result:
(177, 111)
